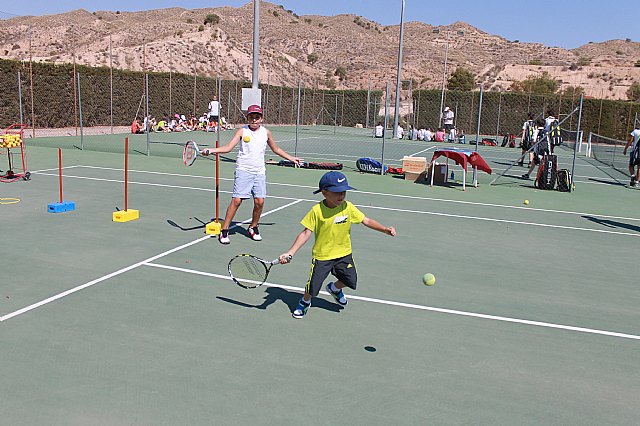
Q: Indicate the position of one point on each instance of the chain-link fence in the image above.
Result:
(63, 104)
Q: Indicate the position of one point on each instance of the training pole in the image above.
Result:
(61, 206)
(126, 174)
(126, 215)
(60, 170)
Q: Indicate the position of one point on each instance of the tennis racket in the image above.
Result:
(190, 153)
(249, 271)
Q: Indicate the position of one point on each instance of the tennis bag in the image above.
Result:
(564, 180)
(547, 173)
(369, 165)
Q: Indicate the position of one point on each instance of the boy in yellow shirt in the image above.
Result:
(330, 220)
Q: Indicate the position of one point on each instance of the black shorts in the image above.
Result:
(343, 268)
(634, 157)
(448, 127)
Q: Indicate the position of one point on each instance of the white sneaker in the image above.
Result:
(224, 237)
(254, 233)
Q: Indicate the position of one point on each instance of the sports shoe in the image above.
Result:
(224, 237)
(338, 295)
(254, 233)
(633, 182)
(301, 309)
(525, 176)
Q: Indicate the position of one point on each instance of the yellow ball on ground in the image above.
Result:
(526, 201)
(429, 279)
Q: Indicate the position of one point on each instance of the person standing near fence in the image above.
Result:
(447, 119)
(528, 137)
(634, 156)
(214, 110)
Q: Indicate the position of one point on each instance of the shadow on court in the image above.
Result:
(613, 223)
(289, 298)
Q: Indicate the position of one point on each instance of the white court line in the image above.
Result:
(516, 222)
(423, 308)
(383, 194)
(55, 168)
(420, 152)
(575, 228)
(123, 270)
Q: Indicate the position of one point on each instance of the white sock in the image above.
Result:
(306, 302)
(333, 287)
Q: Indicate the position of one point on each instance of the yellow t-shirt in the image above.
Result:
(332, 229)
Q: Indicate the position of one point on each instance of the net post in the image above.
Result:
(575, 147)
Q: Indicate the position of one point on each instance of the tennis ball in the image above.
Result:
(526, 201)
(246, 138)
(429, 279)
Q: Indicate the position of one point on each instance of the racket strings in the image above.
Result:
(189, 154)
(247, 269)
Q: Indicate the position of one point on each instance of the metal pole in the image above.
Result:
(20, 97)
(575, 148)
(256, 43)
(111, 79)
(444, 78)
(397, 105)
(386, 122)
(366, 125)
(498, 123)
(295, 150)
(335, 117)
(146, 97)
(80, 113)
(475, 169)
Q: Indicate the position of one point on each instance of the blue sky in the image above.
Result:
(563, 23)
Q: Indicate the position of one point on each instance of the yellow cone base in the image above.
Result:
(126, 215)
(213, 228)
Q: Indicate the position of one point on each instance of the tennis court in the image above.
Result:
(533, 318)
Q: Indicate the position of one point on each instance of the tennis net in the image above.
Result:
(609, 151)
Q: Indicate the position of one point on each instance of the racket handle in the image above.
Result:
(277, 261)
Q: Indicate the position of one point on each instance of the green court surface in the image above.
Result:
(533, 318)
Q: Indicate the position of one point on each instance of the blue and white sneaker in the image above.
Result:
(301, 309)
(338, 295)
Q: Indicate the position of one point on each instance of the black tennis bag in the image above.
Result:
(547, 173)
(564, 180)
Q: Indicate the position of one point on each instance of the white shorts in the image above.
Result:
(247, 184)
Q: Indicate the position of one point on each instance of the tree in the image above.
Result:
(212, 19)
(572, 91)
(633, 93)
(461, 79)
(539, 85)
(312, 58)
(341, 73)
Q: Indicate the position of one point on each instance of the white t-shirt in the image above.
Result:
(547, 123)
(636, 136)
(448, 117)
(378, 131)
(214, 108)
(252, 147)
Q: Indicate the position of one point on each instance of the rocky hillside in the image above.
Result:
(309, 48)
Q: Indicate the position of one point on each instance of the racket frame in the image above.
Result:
(255, 283)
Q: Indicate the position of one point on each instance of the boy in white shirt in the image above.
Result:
(250, 177)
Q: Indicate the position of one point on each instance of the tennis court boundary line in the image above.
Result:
(383, 194)
(420, 307)
(127, 269)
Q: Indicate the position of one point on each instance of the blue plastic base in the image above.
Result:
(65, 206)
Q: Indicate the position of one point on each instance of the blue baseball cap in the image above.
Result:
(334, 182)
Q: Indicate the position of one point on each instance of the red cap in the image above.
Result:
(254, 109)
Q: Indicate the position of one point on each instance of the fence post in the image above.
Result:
(386, 122)
(20, 97)
(295, 149)
(475, 169)
(80, 114)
